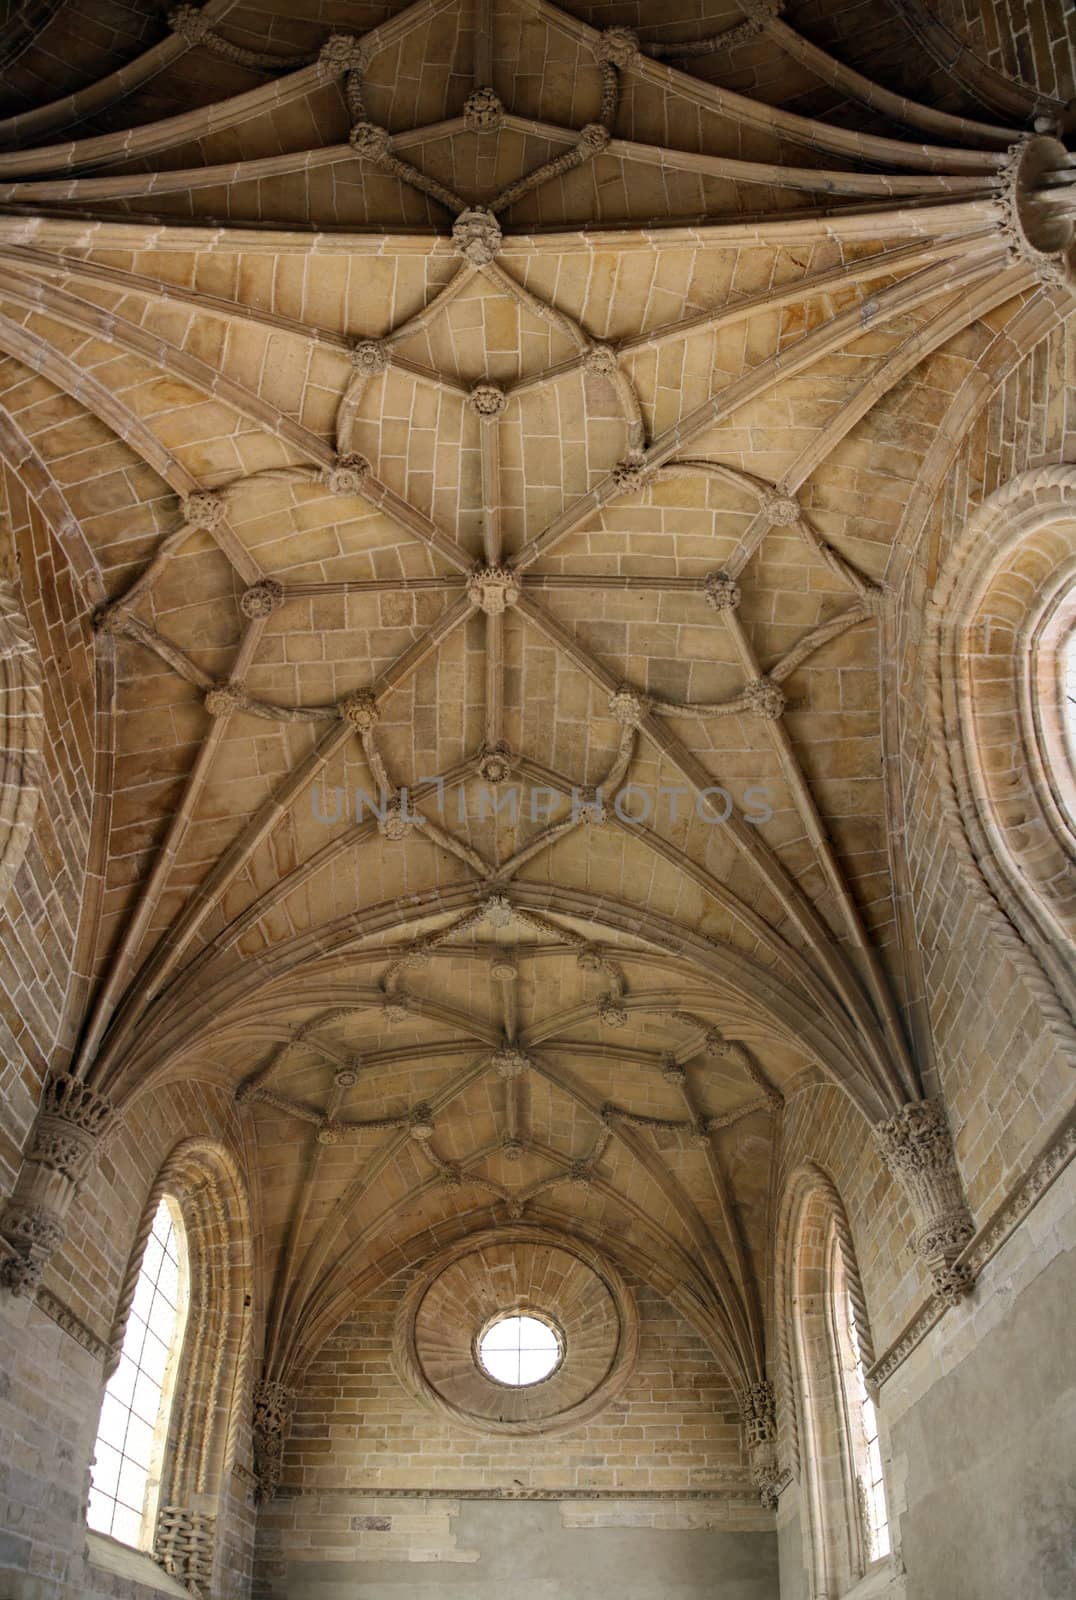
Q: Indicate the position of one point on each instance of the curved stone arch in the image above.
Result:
(22, 733)
(813, 1225)
(458, 1229)
(838, 1047)
(1001, 607)
(204, 1180)
(407, 1351)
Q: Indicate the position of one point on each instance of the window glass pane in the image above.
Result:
(134, 1411)
(519, 1350)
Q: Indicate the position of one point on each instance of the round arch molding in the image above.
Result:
(1002, 610)
(500, 1270)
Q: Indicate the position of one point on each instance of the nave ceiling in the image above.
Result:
(485, 400)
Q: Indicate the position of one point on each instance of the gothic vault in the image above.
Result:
(539, 550)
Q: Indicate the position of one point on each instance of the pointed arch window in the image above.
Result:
(133, 1431)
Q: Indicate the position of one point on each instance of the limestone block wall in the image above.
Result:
(1005, 1080)
(39, 920)
(52, 1353)
(666, 1456)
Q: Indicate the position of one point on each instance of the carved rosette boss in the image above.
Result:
(70, 1123)
(917, 1147)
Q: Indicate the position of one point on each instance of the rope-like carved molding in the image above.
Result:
(808, 1179)
(22, 734)
(407, 1360)
(986, 1243)
(1024, 501)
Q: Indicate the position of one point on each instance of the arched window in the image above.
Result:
(133, 1430)
(860, 1417)
(834, 1425)
(1000, 673)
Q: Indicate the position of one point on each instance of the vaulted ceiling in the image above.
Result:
(467, 401)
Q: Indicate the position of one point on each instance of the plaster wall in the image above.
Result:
(538, 1551)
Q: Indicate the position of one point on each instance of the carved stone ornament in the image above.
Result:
(483, 111)
(782, 509)
(627, 707)
(183, 1546)
(611, 1013)
(493, 589)
(508, 1062)
(765, 698)
(599, 359)
(722, 591)
(274, 1407)
(495, 762)
(342, 53)
(595, 137)
(395, 821)
(476, 235)
(758, 1409)
(370, 140)
(632, 474)
(262, 598)
(590, 807)
(512, 1150)
(504, 966)
(361, 709)
(70, 1123)
(673, 1072)
(189, 23)
(346, 1077)
(917, 1147)
(34, 1233)
(498, 911)
(589, 960)
(224, 698)
(396, 1008)
(617, 46)
(369, 357)
(420, 1125)
(487, 399)
(348, 475)
(1039, 219)
(715, 1042)
(204, 509)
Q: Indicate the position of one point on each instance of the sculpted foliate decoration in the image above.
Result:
(66, 1135)
(917, 1147)
(274, 1407)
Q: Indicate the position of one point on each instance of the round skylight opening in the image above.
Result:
(519, 1348)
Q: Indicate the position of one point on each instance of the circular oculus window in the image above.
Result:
(519, 1349)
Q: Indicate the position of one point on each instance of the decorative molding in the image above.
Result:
(986, 1243)
(65, 1318)
(917, 1147)
(739, 1491)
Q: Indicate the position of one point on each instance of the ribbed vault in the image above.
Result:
(493, 414)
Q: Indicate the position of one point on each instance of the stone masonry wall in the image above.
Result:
(39, 922)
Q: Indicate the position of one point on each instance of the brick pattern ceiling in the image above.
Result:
(471, 399)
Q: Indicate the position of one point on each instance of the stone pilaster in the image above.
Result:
(65, 1137)
(917, 1147)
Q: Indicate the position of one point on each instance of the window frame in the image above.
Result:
(166, 1388)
